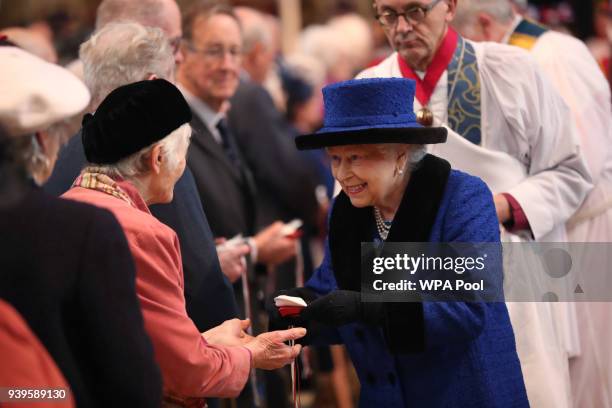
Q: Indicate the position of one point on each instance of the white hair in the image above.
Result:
(146, 12)
(173, 147)
(415, 152)
(500, 10)
(123, 53)
(26, 152)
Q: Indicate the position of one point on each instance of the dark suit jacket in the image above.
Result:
(208, 294)
(227, 193)
(67, 269)
(285, 180)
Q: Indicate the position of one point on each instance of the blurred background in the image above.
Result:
(68, 22)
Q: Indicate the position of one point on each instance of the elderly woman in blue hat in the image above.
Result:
(420, 354)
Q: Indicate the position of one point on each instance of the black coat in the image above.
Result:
(208, 294)
(227, 192)
(66, 267)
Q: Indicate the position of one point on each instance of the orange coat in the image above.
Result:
(26, 364)
(191, 368)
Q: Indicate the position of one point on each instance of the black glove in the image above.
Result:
(342, 307)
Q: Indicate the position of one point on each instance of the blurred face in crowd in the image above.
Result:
(213, 58)
(170, 23)
(261, 62)
(417, 38)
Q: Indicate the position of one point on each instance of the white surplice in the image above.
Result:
(531, 150)
(577, 77)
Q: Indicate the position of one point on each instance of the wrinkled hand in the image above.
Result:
(269, 351)
(229, 333)
(272, 247)
(232, 259)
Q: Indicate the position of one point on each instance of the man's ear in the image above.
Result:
(156, 159)
(452, 9)
(485, 22)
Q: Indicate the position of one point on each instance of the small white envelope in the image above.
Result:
(284, 300)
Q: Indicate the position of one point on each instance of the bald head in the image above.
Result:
(163, 14)
(484, 20)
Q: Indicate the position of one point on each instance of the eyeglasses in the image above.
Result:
(215, 52)
(413, 15)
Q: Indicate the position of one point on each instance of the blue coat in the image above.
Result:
(468, 356)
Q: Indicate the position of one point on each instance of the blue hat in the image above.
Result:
(370, 111)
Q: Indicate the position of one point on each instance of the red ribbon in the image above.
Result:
(290, 311)
(426, 86)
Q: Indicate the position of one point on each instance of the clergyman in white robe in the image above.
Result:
(576, 76)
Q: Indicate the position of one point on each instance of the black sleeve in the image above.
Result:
(124, 371)
(209, 296)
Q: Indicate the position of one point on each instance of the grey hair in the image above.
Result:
(416, 153)
(500, 10)
(136, 165)
(25, 152)
(123, 53)
(146, 12)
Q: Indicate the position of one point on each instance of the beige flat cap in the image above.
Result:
(35, 94)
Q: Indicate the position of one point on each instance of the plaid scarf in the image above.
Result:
(99, 179)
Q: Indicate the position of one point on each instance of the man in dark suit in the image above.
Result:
(109, 63)
(208, 78)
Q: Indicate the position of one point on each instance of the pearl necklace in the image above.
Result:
(382, 227)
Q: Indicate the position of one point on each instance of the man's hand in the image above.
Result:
(272, 247)
(229, 333)
(232, 259)
(269, 351)
(502, 207)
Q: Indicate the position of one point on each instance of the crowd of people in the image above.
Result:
(160, 191)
